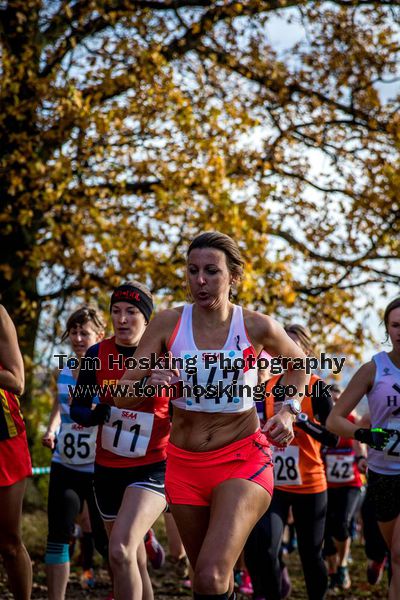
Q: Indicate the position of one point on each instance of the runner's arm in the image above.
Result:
(321, 400)
(83, 392)
(49, 437)
(317, 432)
(12, 375)
(153, 343)
(276, 342)
(322, 405)
(359, 385)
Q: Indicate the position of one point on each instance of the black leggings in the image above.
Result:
(68, 489)
(263, 546)
(375, 546)
(342, 504)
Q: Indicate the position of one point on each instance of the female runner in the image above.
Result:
(131, 445)
(300, 483)
(344, 490)
(72, 465)
(379, 379)
(219, 470)
(15, 462)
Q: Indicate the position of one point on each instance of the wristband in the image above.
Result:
(302, 417)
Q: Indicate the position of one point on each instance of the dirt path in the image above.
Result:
(166, 584)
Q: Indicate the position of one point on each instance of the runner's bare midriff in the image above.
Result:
(201, 431)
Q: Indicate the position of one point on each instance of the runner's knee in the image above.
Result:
(395, 553)
(121, 555)
(10, 546)
(342, 531)
(211, 577)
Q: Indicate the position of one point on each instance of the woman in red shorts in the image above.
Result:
(219, 470)
(15, 462)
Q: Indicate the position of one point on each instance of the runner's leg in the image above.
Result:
(16, 559)
(309, 511)
(139, 510)
(391, 534)
(216, 547)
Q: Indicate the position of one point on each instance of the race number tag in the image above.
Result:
(339, 468)
(392, 450)
(286, 465)
(127, 433)
(211, 387)
(77, 444)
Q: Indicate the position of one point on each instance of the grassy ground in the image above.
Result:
(166, 584)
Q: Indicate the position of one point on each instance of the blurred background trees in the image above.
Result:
(127, 127)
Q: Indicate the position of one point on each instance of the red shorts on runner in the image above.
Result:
(15, 461)
(191, 476)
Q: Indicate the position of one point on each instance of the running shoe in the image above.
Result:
(332, 581)
(375, 571)
(245, 585)
(187, 583)
(154, 550)
(286, 584)
(87, 579)
(182, 567)
(237, 577)
(343, 578)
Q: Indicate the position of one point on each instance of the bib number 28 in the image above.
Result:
(286, 466)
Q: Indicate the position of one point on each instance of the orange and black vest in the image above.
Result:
(300, 468)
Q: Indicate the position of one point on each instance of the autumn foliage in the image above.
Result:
(129, 126)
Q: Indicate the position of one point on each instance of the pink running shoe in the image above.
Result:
(154, 550)
(245, 586)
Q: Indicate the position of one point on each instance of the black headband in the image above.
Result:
(135, 296)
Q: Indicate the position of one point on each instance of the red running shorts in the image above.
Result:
(191, 476)
(15, 461)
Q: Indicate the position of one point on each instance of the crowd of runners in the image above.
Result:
(244, 465)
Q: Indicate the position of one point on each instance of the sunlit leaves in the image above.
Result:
(127, 130)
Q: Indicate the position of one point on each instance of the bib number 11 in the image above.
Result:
(135, 429)
(127, 433)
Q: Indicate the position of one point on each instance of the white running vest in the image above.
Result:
(222, 380)
(384, 408)
(76, 445)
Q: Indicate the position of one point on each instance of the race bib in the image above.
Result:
(339, 468)
(214, 385)
(77, 444)
(286, 465)
(127, 433)
(392, 450)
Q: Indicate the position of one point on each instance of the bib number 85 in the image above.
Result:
(76, 444)
(81, 449)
